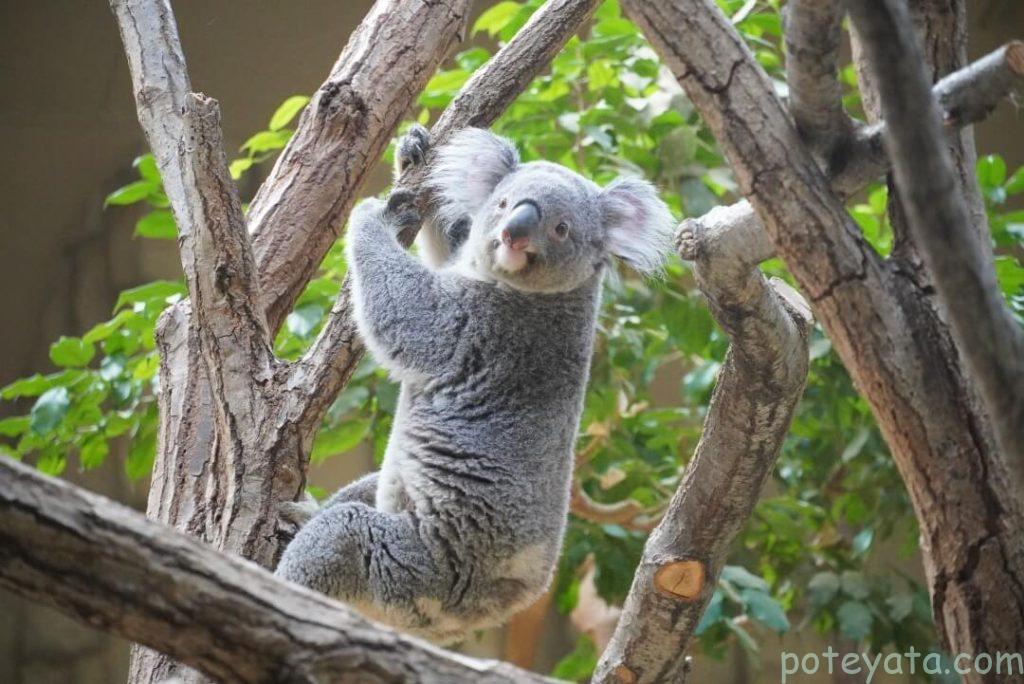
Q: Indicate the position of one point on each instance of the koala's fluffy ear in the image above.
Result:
(639, 224)
(467, 168)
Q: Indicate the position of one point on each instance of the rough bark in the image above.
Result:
(758, 388)
(884, 326)
(222, 478)
(813, 39)
(110, 567)
(213, 480)
(960, 264)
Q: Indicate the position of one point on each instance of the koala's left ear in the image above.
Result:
(639, 224)
(467, 169)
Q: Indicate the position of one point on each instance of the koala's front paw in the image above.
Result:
(369, 210)
(412, 148)
(402, 210)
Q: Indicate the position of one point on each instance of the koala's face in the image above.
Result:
(540, 227)
(539, 230)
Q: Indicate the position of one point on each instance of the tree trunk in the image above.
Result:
(885, 325)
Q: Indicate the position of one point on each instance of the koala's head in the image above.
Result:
(540, 227)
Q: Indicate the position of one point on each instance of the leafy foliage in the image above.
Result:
(606, 107)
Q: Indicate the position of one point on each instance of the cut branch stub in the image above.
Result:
(680, 579)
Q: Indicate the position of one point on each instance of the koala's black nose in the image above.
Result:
(523, 220)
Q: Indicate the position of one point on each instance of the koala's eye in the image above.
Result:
(502, 203)
(562, 230)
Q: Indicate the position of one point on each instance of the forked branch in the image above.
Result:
(965, 97)
(961, 267)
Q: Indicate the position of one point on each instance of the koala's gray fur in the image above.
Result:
(463, 524)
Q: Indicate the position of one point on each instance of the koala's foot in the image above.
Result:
(298, 513)
(412, 148)
(687, 241)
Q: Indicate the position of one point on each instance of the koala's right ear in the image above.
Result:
(467, 168)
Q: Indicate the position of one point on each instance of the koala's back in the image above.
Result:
(482, 454)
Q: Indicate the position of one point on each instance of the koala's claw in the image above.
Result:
(412, 148)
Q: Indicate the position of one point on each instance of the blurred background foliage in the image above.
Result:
(607, 107)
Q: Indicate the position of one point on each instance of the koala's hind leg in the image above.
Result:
(363, 490)
(366, 557)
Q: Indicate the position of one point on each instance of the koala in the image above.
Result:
(463, 524)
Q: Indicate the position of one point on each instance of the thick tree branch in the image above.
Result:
(965, 97)
(332, 359)
(300, 209)
(813, 39)
(758, 389)
(200, 484)
(112, 568)
(882, 323)
(960, 265)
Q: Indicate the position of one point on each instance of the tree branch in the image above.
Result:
(758, 388)
(882, 323)
(813, 39)
(965, 96)
(112, 568)
(331, 360)
(960, 265)
(300, 209)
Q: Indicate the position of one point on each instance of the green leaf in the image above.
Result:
(52, 462)
(93, 451)
(31, 386)
(854, 620)
(131, 193)
(158, 224)
(1016, 182)
(494, 19)
(146, 166)
(900, 605)
(49, 410)
(854, 584)
(339, 439)
(578, 665)
(287, 111)
(712, 614)
(71, 352)
(158, 291)
(102, 331)
(991, 171)
(862, 541)
(240, 166)
(304, 320)
(822, 588)
(766, 610)
(14, 425)
(742, 577)
(267, 141)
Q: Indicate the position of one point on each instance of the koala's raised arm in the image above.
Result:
(402, 307)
